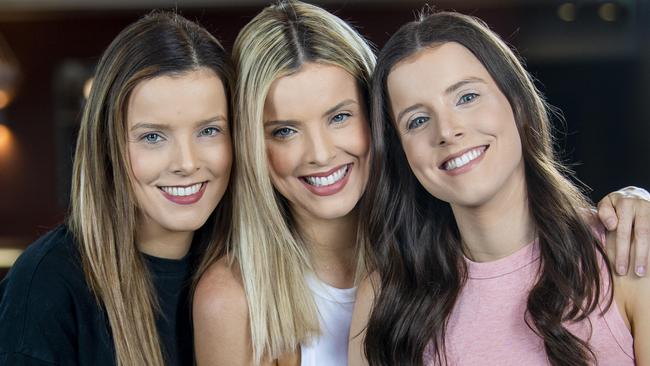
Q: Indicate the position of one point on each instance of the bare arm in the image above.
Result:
(632, 294)
(360, 317)
(220, 316)
(627, 212)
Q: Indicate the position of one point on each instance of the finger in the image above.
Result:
(625, 211)
(607, 213)
(642, 241)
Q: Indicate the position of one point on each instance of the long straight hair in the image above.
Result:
(414, 237)
(103, 205)
(266, 245)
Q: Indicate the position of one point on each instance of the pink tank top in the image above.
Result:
(487, 325)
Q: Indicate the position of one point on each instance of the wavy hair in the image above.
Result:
(266, 245)
(103, 205)
(415, 241)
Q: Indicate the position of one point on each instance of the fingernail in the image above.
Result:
(621, 270)
(640, 271)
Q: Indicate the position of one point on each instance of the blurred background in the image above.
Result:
(591, 59)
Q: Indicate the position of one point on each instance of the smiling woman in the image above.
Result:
(180, 155)
(149, 194)
(492, 255)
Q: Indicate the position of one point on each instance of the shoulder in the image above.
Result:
(368, 288)
(45, 280)
(366, 293)
(50, 264)
(220, 317)
(219, 290)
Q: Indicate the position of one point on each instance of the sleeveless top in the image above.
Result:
(487, 324)
(335, 307)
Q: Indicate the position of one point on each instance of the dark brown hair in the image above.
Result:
(416, 247)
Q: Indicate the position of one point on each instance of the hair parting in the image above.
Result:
(103, 214)
(416, 242)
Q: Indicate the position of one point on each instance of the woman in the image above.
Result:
(287, 279)
(153, 158)
(486, 253)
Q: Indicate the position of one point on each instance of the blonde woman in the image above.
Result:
(288, 278)
(110, 287)
(283, 290)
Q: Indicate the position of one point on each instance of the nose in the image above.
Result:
(185, 159)
(449, 130)
(321, 149)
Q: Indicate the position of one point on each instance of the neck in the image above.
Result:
(332, 246)
(498, 227)
(159, 242)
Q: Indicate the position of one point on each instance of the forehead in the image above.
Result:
(191, 94)
(439, 66)
(315, 86)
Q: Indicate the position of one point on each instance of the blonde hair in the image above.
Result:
(266, 245)
(103, 211)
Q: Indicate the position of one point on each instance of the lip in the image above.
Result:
(331, 189)
(467, 167)
(186, 200)
(325, 174)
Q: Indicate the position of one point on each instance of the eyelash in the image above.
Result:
(343, 115)
(158, 137)
(411, 123)
(278, 132)
(216, 130)
(464, 98)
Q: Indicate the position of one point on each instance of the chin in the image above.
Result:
(332, 211)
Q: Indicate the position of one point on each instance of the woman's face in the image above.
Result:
(317, 140)
(179, 149)
(456, 127)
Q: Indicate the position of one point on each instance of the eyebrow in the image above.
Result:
(452, 88)
(162, 126)
(408, 110)
(340, 105)
(460, 84)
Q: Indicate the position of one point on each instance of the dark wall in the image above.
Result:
(581, 67)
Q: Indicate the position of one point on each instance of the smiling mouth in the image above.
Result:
(323, 181)
(182, 191)
(464, 159)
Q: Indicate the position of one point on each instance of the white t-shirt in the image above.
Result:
(335, 315)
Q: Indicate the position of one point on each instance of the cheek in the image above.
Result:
(219, 158)
(416, 153)
(283, 158)
(146, 164)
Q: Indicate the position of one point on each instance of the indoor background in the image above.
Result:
(591, 59)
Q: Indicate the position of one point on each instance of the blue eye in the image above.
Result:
(340, 117)
(416, 122)
(466, 98)
(209, 131)
(152, 138)
(283, 132)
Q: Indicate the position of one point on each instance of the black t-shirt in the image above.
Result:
(48, 315)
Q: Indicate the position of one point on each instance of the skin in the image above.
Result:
(177, 136)
(314, 121)
(487, 196)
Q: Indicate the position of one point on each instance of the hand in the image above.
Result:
(627, 211)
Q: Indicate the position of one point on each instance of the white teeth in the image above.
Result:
(182, 191)
(464, 159)
(329, 180)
